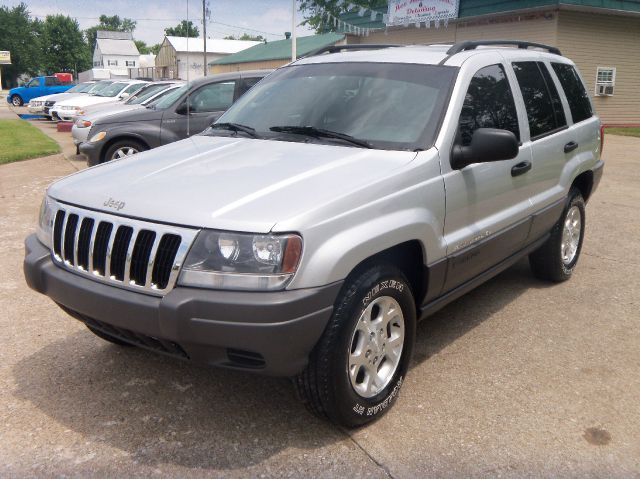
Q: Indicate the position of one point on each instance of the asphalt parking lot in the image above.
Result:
(516, 379)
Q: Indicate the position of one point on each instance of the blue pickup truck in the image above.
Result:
(38, 86)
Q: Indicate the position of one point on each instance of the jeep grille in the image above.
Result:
(131, 254)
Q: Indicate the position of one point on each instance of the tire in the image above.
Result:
(334, 383)
(107, 337)
(555, 261)
(121, 148)
(16, 100)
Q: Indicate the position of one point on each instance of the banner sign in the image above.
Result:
(5, 58)
(406, 12)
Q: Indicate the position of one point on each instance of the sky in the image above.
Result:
(269, 18)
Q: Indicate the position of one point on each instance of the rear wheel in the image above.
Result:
(16, 100)
(556, 259)
(122, 149)
(357, 369)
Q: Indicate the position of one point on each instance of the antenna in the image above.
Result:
(188, 68)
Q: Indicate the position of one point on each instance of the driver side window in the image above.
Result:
(35, 83)
(214, 97)
(488, 104)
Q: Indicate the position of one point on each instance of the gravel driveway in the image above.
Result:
(516, 379)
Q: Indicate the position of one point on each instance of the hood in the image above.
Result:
(86, 100)
(58, 96)
(105, 110)
(132, 114)
(227, 183)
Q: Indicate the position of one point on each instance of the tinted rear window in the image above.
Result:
(541, 99)
(574, 90)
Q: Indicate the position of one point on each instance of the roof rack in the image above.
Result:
(344, 48)
(472, 45)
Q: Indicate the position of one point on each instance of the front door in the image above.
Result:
(198, 111)
(487, 205)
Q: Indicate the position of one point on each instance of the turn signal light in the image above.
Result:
(86, 124)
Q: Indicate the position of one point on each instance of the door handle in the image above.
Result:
(521, 168)
(569, 147)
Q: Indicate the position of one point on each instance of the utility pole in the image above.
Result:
(294, 55)
(204, 34)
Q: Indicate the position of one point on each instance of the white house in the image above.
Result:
(183, 58)
(116, 52)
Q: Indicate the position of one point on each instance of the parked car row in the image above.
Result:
(117, 118)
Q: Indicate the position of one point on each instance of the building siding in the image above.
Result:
(538, 27)
(236, 67)
(606, 41)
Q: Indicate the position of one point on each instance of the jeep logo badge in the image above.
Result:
(117, 205)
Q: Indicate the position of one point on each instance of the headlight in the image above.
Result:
(45, 222)
(98, 137)
(241, 261)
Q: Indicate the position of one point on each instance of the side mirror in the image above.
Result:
(124, 96)
(182, 109)
(487, 145)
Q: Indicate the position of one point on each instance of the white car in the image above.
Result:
(67, 110)
(145, 96)
(36, 105)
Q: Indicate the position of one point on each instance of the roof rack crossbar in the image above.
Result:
(344, 48)
(473, 44)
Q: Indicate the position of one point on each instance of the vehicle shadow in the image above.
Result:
(159, 410)
(458, 318)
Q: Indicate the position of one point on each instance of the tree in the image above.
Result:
(63, 45)
(183, 29)
(113, 23)
(142, 47)
(22, 37)
(155, 48)
(247, 36)
(314, 11)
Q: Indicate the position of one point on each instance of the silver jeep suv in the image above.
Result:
(343, 198)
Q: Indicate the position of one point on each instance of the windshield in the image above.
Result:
(146, 93)
(388, 106)
(98, 87)
(112, 90)
(80, 88)
(169, 99)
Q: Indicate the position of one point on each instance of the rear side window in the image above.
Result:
(488, 104)
(577, 97)
(51, 81)
(541, 98)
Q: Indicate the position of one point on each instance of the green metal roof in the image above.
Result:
(474, 8)
(280, 49)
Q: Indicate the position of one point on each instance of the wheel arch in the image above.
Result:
(584, 183)
(116, 139)
(410, 258)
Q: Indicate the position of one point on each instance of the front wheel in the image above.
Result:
(122, 149)
(556, 259)
(356, 370)
(16, 100)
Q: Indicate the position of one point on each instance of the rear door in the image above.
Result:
(550, 138)
(487, 205)
(197, 112)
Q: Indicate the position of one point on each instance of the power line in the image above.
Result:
(177, 20)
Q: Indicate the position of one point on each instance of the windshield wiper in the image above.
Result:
(321, 133)
(236, 127)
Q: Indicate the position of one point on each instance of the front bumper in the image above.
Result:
(92, 151)
(271, 333)
(80, 135)
(35, 109)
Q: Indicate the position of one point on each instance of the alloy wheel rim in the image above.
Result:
(15, 101)
(571, 232)
(376, 347)
(124, 151)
